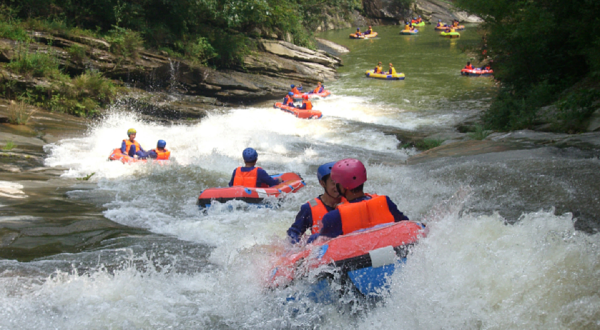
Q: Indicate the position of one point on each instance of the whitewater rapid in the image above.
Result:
(207, 269)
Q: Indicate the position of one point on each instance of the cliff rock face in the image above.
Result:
(434, 10)
(380, 12)
(267, 73)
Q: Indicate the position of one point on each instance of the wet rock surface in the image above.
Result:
(266, 73)
(37, 217)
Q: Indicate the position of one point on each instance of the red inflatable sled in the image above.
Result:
(291, 183)
(126, 159)
(476, 72)
(367, 258)
(300, 113)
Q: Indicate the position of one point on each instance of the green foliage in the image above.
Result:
(215, 32)
(200, 51)
(124, 42)
(540, 48)
(427, 144)
(575, 109)
(87, 177)
(479, 133)
(10, 145)
(77, 53)
(35, 64)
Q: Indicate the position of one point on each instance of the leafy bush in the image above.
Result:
(124, 42)
(10, 145)
(575, 109)
(77, 53)
(36, 64)
(479, 133)
(539, 49)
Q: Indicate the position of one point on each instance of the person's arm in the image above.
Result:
(152, 154)
(332, 224)
(232, 177)
(264, 177)
(123, 147)
(302, 223)
(398, 216)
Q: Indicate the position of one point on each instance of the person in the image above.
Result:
(369, 31)
(419, 20)
(359, 210)
(414, 21)
(131, 147)
(440, 24)
(320, 88)
(294, 89)
(289, 99)
(299, 88)
(469, 66)
(249, 175)
(160, 153)
(312, 212)
(392, 70)
(378, 68)
(407, 26)
(306, 104)
(358, 34)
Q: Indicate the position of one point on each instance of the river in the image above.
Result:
(503, 251)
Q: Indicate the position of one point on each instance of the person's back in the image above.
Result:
(295, 90)
(378, 68)
(392, 70)
(312, 212)
(289, 99)
(160, 153)
(361, 211)
(306, 104)
(249, 175)
(469, 66)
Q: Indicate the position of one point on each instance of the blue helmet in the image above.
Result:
(439, 20)
(161, 143)
(291, 93)
(250, 155)
(324, 170)
(419, 16)
(292, 86)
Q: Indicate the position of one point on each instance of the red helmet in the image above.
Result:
(305, 97)
(349, 172)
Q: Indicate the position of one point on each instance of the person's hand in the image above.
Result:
(280, 180)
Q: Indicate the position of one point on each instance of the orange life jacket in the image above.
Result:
(128, 145)
(365, 214)
(295, 91)
(317, 90)
(379, 69)
(287, 100)
(308, 104)
(246, 179)
(413, 21)
(162, 155)
(469, 67)
(317, 210)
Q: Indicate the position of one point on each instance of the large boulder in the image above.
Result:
(434, 10)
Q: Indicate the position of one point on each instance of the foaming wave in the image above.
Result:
(478, 272)
(215, 143)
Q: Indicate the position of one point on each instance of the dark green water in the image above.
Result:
(431, 63)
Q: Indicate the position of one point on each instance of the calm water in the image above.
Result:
(206, 270)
